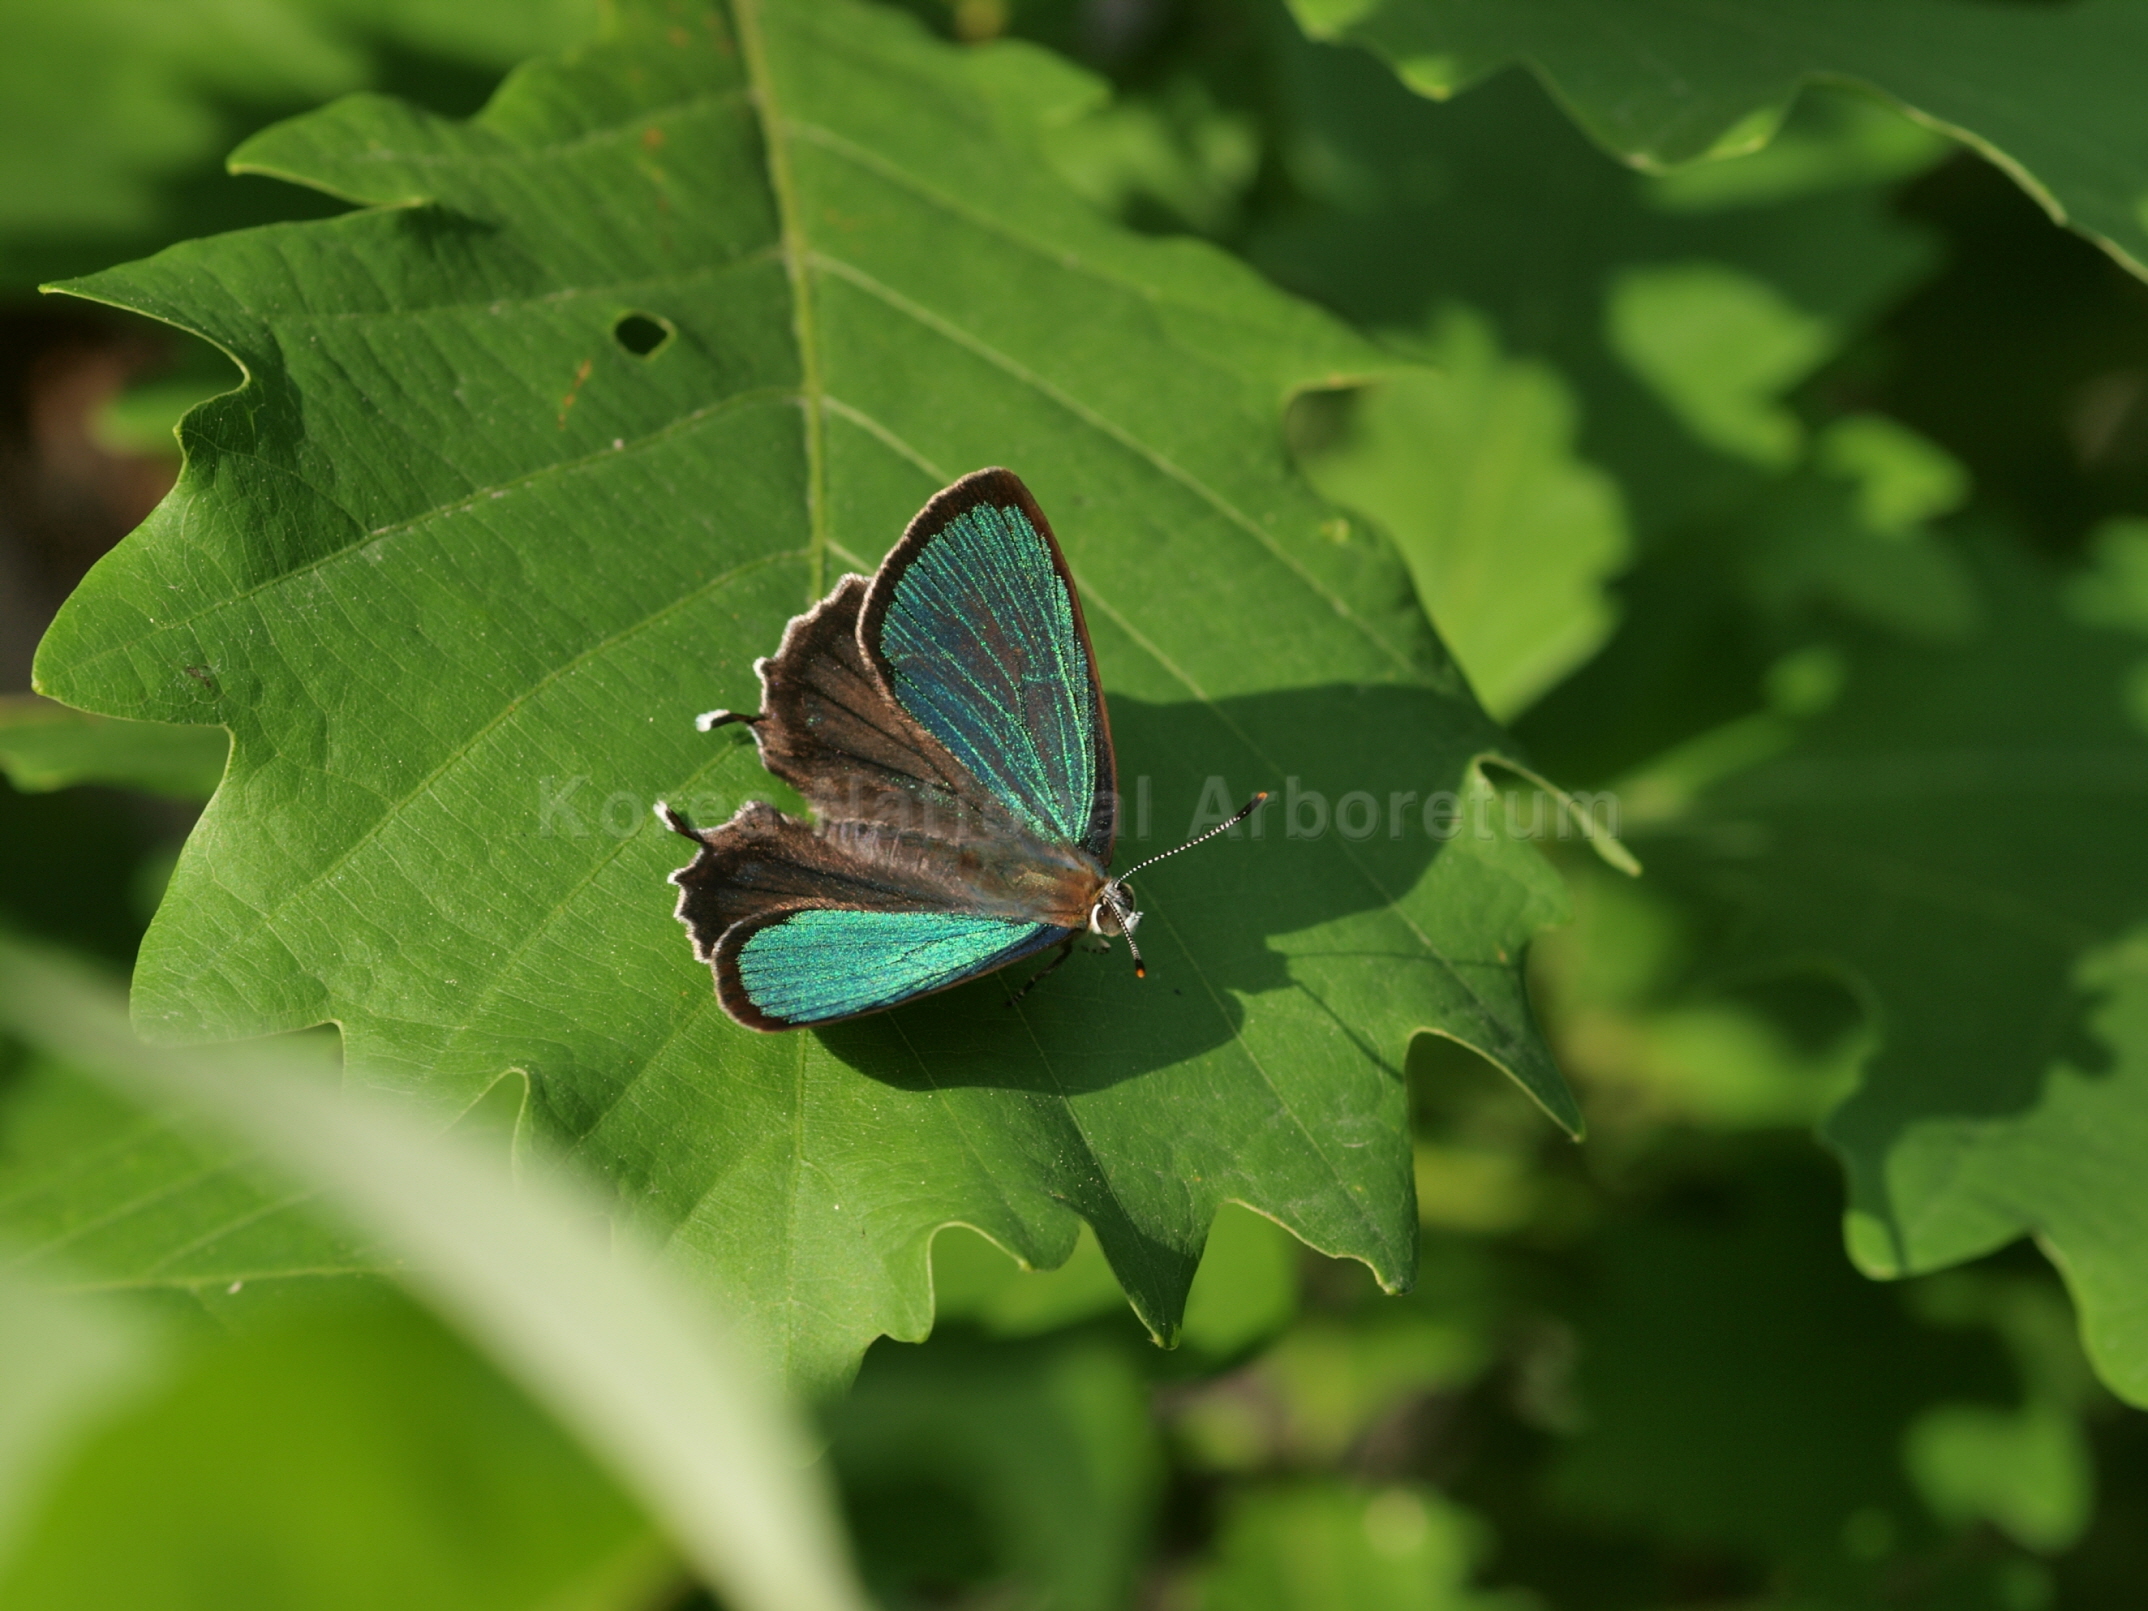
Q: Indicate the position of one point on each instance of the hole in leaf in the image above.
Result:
(642, 334)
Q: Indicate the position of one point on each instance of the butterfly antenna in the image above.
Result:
(1243, 812)
(1124, 907)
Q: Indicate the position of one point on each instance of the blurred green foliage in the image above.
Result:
(1799, 494)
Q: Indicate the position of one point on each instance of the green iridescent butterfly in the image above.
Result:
(944, 720)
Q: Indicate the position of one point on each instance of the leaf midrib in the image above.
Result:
(753, 51)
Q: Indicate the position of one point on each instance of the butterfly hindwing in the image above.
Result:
(977, 629)
(816, 964)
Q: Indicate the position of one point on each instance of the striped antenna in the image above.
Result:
(1123, 908)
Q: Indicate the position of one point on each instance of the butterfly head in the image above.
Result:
(1114, 911)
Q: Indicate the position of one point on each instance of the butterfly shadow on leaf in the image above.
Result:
(1350, 769)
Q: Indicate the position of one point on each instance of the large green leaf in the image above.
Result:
(2050, 93)
(459, 564)
(1960, 835)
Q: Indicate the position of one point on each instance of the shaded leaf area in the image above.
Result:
(1955, 833)
(45, 746)
(1727, 336)
(2026, 357)
(1727, 1324)
(1034, 1465)
(1681, 328)
(460, 565)
(2048, 92)
(1496, 203)
(350, 1454)
(1749, 1405)
(151, 96)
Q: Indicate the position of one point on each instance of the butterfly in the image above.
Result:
(944, 720)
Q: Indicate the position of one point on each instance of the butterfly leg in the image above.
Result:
(709, 720)
(677, 823)
(1066, 949)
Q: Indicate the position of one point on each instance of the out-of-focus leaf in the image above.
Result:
(95, 874)
(67, 1360)
(459, 567)
(1742, 1387)
(1495, 202)
(1807, 552)
(1029, 1470)
(1647, 1047)
(1245, 1289)
(1902, 478)
(976, 1282)
(666, 1393)
(1960, 833)
(47, 746)
(1510, 537)
(1830, 141)
(2050, 93)
(1313, 1545)
(1306, 1400)
(1247, 1286)
(2112, 590)
(2027, 1471)
(144, 418)
(1719, 346)
(352, 1458)
(1176, 153)
(115, 115)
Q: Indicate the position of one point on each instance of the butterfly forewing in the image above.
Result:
(979, 632)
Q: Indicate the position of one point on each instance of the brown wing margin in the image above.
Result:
(829, 727)
(762, 861)
(1000, 488)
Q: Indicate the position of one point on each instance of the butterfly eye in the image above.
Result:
(1113, 913)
